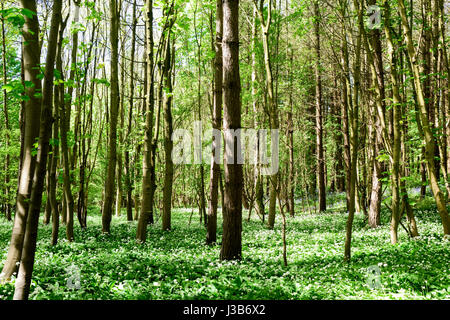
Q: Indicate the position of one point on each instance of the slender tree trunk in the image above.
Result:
(8, 207)
(168, 143)
(423, 174)
(353, 121)
(119, 164)
(48, 208)
(271, 105)
(259, 192)
(211, 232)
(147, 187)
(232, 210)
(82, 130)
(374, 36)
(340, 174)
(56, 136)
(395, 159)
(201, 181)
(114, 98)
(404, 173)
(128, 182)
(291, 178)
(23, 282)
(56, 146)
(66, 108)
(320, 162)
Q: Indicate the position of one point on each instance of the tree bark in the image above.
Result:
(320, 161)
(147, 171)
(395, 159)
(23, 282)
(56, 135)
(353, 121)
(128, 182)
(32, 112)
(272, 108)
(374, 36)
(168, 143)
(211, 230)
(114, 98)
(232, 210)
(8, 207)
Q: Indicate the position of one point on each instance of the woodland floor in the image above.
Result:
(177, 264)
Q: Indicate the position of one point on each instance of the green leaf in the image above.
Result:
(7, 88)
(28, 84)
(28, 13)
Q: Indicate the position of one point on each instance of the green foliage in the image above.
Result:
(178, 265)
(16, 16)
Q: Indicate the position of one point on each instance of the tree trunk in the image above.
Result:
(211, 230)
(353, 121)
(23, 282)
(56, 134)
(114, 98)
(395, 159)
(259, 192)
(320, 162)
(272, 109)
(119, 164)
(232, 210)
(374, 36)
(32, 111)
(66, 114)
(128, 182)
(168, 143)
(147, 187)
(8, 207)
(427, 132)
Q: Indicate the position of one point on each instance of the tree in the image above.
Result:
(148, 188)
(353, 111)
(374, 36)
(128, 170)
(319, 118)
(271, 107)
(23, 282)
(168, 143)
(425, 124)
(232, 210)
(8, 208)
(32, 111)
(114, 109)
(211, 233)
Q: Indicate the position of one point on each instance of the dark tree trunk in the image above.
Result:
(128, 182)
(168, 143)
(320, 164)
(232, 211)
(8, 206)
(211, 230)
